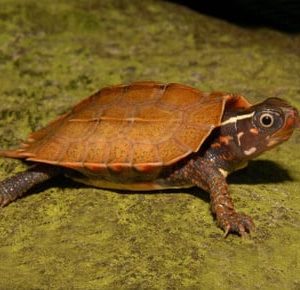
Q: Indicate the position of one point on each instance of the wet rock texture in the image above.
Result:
(54, 53)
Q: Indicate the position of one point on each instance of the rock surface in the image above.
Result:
(54, 53)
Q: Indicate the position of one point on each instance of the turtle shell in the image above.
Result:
(143, 125)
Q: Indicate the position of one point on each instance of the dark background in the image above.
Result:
(282, 15)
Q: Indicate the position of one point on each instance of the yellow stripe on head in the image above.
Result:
(236, 118)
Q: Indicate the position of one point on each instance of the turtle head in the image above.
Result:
(265, 125)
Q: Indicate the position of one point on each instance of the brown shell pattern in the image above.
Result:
(141, 125)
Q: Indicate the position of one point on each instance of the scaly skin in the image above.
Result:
(204, 174)
(17, 185)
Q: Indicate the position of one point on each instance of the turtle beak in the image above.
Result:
(292, 121)
(292, 118)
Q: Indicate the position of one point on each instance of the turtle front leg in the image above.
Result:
(205, 175)
(17, 185)
(222, 205)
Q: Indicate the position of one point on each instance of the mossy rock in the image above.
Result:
(54, 53)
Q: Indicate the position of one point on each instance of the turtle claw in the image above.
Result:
(237, 223)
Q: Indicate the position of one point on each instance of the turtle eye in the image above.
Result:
(266, 120)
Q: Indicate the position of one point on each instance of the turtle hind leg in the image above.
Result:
(18, 185)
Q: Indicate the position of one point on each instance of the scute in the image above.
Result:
(143, 93)
(96, 154)
(146, 152)
(171, 150)
(152, 125)
(75, 152)
(106, 97)
(180, 96)
(121, 151)
(183, 135)
(111, 124)
(143, 126)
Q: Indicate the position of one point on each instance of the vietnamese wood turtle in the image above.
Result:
(149, 136)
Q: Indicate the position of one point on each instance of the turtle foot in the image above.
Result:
(236, 222)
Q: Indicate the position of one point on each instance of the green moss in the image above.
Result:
(52, 54)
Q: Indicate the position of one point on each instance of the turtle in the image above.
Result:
(147, 136)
